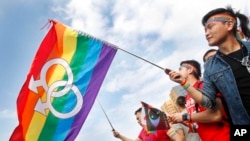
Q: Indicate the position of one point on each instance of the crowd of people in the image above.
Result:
(221, 97)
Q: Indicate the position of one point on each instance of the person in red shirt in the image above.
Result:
(158, 135)
(211, 125)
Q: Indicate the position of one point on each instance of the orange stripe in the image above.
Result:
(29, 110)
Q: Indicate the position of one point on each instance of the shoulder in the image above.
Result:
(199, 84)
(247, 44)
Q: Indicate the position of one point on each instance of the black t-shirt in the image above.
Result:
(241, 74)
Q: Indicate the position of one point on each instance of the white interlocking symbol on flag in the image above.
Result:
(50, 90)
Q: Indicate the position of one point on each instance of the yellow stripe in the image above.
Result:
(69, 48)
(34, 130)
(69, 44)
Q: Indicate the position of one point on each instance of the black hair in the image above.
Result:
(181, 101)
(244, 21)
(196, 65)
(138, 110)
(208, 51)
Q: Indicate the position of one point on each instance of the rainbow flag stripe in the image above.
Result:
(61, 86)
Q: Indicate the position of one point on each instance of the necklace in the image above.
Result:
(244, 61)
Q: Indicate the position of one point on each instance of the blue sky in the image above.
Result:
(163, 32)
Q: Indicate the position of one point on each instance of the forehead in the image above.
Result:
(138, 114)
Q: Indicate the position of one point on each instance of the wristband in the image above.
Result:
(185, 85)
(185, 116)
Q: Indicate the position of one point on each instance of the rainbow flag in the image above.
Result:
(61, 86)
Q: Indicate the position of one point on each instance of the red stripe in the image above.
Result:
(23, 105)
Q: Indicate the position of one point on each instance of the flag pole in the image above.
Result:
(113, 129)
(140, 58)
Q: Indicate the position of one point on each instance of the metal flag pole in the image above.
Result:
(140, 58)
(113, 129)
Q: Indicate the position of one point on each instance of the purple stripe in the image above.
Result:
(99, 73)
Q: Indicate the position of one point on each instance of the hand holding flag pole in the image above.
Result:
(113, 129)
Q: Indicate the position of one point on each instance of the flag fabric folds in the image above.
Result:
(62, 84)
(153, 119)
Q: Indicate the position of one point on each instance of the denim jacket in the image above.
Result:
(218, 75)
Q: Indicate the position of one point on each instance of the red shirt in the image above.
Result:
(209, 131)
(159, 135)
